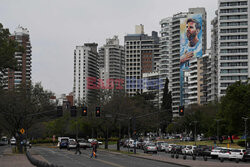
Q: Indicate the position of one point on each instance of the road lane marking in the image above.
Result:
(100, 160)
(109, 163)
(85, 155)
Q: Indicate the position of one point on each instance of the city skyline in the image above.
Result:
(57, 27)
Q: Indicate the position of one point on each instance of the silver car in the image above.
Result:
(151, 147)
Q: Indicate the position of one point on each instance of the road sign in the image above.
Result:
(22, 131)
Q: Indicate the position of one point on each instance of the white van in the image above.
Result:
(12, 141)
(4, 140)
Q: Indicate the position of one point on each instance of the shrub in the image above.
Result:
(242, 142)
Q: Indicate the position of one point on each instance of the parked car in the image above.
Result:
(151, 147)
(236, 154)
(200, 149)
(12, 141)
(162, 146)
(185, 149)
(177, 149)
(207, 152)
(60, 139)
(64, 143)
(4, 140)
(191, 150)
(224, 153)
(168, 149)
(84, 143)
(246, 156)
(71, 144)
(215, 152)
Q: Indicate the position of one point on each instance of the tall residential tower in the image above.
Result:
(22, 75)
(86, 73)
(233, 43)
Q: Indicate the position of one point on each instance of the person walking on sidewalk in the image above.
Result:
(94, 150)
(77, 148)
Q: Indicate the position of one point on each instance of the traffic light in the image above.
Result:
(84, 111)
(181, 110)
(73, 111)
(59, 111)
(98, 111)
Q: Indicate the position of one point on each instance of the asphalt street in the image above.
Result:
(104, 159)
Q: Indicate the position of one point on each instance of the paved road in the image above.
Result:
(104, 159)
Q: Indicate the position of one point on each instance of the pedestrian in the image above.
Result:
(78, 148)
(94, 150)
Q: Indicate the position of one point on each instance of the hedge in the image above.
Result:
(242, 142)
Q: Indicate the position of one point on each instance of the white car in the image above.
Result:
(151, 147)
(162, 146)
(187, 149)
(236, 154)
(71, 144)
(190, 150)
(224, 153)
(169, 148)
(13, 141)
(215, 152)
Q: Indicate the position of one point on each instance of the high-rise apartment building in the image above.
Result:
(86, 74)
(139, 58)
(112, 63)
(170, 54)
(22, 75)
(233, 43)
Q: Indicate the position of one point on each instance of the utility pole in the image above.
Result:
(217, 121)
(134, 133)
(245, 119)
(195, 122)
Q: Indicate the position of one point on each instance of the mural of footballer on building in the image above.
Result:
(190, 43)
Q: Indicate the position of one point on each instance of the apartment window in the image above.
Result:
(233, 30)
(241, 57)
(233, 37)
(233, 64)
(245, 50)
(233, 17)
(233, 44)
(233, 24)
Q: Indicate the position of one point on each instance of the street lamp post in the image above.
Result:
(245, 119)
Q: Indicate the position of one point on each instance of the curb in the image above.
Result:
(38, 163)
(157, 160)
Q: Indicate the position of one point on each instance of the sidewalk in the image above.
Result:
(9, 159)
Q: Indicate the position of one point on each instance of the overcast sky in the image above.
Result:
(57, 26)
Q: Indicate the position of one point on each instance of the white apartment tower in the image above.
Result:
(233, 43)
(112, 63)
(170, 53)
(86, 74)
(12, 78)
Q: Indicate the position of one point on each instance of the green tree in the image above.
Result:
(235, 105)
(8, 47)
(23, 107)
